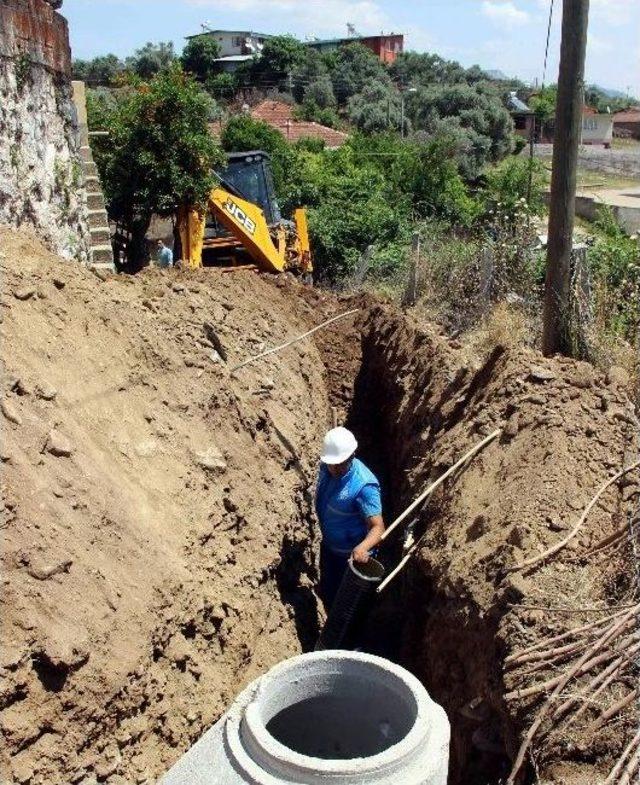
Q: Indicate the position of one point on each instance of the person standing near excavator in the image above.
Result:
(349, 509)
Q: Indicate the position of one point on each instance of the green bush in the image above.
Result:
(614, 260)
(221, 86)
(519, 143)
(515, 185)
(310, 111)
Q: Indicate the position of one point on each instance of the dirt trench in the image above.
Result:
(160, 546)
(397, 430)
(416, 404)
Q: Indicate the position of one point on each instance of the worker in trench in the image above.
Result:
(349, 509)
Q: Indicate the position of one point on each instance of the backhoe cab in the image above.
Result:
(242, 223)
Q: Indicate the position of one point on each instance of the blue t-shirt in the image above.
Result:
(164, 257)
(343, 505)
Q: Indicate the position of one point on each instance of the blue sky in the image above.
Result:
(505, 34)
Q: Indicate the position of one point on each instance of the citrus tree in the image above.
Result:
(158, 153)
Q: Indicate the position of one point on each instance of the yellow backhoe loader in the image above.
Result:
(242, 223)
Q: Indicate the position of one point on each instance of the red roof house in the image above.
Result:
(627, 122)
(280, 116)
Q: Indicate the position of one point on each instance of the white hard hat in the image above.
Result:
(339, 444)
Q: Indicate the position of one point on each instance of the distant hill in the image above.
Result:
(608, 91)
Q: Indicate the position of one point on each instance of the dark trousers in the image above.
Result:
(332, 567)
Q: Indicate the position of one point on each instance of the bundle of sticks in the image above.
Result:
(592, 658)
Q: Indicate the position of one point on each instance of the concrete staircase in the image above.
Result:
(101, 250)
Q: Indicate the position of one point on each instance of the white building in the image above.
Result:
(597, 129)
(236, 46)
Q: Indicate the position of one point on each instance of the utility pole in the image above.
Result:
(567, 134)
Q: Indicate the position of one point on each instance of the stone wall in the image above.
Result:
(41, 181)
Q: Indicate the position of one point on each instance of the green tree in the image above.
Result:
(151, 59)
(424, 170)
(473, 114)
(413, 68)
(309, 70)
(158, 154)
(431, 177)
(101, 70)
(543, 104)
(199, 56)
(603, 102)
(375, 108)
(321, 92)
(281, 56)
(352, 207)
(352, 68)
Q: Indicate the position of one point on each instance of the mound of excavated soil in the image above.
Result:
(158, 538)
(156, 511)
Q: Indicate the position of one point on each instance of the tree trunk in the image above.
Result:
(137, 247)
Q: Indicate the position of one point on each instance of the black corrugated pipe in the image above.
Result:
(351, 602)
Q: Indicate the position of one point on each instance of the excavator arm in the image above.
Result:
(247, 223)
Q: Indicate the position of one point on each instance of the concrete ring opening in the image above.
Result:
(345, 714)
(331, 716)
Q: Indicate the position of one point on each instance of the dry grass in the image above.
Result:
(610, 350)
(505, 325)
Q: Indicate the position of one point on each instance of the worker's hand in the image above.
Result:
(360, 554)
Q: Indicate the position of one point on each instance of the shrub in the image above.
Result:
(511, 183)
(311, 112)
(614, 260)
(221, 86)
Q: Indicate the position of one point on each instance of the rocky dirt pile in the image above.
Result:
(156, 512)
(158, 538)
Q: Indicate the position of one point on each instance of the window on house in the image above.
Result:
(238, 40)
(520, 122)
(589, 124)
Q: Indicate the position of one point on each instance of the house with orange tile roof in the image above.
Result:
(627, 123)
(279, 115)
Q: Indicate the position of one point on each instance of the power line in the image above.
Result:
(546, 51)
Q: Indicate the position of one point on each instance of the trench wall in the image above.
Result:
(41, 180)
(419, 404)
